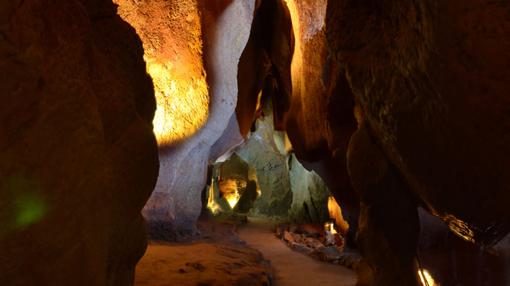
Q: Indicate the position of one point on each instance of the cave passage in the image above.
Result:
(262, 126)
(254, 142)
(253, 190)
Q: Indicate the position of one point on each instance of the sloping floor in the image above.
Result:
(218, 258)
(223, 256)
(292, 268)
(201, 264)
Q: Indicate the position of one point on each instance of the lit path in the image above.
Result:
(292, 268)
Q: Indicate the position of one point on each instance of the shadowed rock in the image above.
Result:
(78, 158)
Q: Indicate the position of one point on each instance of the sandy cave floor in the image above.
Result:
(292, 268)
(250, 255)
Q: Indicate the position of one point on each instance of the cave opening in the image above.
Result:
(263, 178)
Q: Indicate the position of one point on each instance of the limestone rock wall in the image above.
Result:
(452, 260)
(431, 81)
(287, 189)
(430, 88)
(427, 83)
(287, 58)
(265, 64)
(78, 158)
(314, 103)
(261, 152)
(207, 37)
(309, 194)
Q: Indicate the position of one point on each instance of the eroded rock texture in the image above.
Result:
(287, 60)
(388, 225)
(203, 36)
(432, 86)
(287, 189)
(453, 261)
(312, 99)
(309, 194)
(265, 64)
(431, 82)
(78, 158)
(261, 152)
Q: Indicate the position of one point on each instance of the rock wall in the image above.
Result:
(309, 194)
(427, 84)
(453, 261)
(432, 88)
(287, 59)
(261, 152)
(287, 189)
(265, 64)
(219, 31)
(430, 83)
(78, 158)
(314, 103)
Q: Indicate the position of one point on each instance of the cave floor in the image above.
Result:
(217, 258)
(201, 264)
(245, 255)
(292, 268)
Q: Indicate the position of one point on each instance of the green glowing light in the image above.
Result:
(30, 209)
(23, 203)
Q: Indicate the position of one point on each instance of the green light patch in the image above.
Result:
(29, 210)
(23, 203)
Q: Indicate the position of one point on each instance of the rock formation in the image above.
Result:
(309, 194)
(311, 97)
(78, 158)
(285, 188)
(395, 104)
(261, 152)
(430, 82)
(193, 41)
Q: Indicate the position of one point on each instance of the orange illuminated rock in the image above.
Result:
(195, 122)
(335, 213)
(172, 39)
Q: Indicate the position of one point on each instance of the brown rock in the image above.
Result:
(288, 236)
(429, 80)
(310, 229)
(315, 104)
(431, 88)
(433, 92)
(78, 158)
(312, 242)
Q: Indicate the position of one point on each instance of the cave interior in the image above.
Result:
(254, 142)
